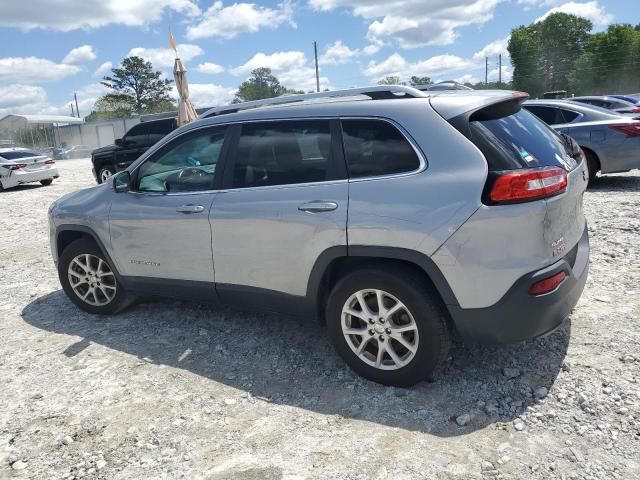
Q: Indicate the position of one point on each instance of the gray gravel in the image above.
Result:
(177, 390)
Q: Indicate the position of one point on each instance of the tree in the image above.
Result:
(610, 62)
(391, 80)
(261, 84)
(416, 81)
(543, 54)
(136, 88)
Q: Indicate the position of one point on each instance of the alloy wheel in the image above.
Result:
(92, 280)
(380, 329)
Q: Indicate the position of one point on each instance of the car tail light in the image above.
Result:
(528, 185)
(16, 166)
(548, 284)
(629, 129)
(635, 110)
(49, 162)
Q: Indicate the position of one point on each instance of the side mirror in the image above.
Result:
(122, 182)
(119, 142)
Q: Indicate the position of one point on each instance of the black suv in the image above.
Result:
(113, 158)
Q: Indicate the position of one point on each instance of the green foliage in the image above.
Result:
(261, 84)
(415, 81)
(544, 53)
(391, 80)
(136, 88)
(610, 62)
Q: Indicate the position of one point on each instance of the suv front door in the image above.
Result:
(283, 203)
(160, 229)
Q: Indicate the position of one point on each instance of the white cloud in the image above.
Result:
(87, 14)
(88, 95)
(431, 67)
(589, 10)
(291, 68)
(493, 49)
(228, 22)
(205, 95)
(210, 67)
(80, 55)
(17, 98)
(165, 57)
(415, 23)
(103, 69)
(467, 78)
(337, 52)
(33, 70)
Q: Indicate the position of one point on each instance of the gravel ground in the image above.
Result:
(177, 390)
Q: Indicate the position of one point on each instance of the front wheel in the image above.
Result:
(105, 173)
(89, 280)
(388, 326)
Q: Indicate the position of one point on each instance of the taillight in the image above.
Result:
(16, 166)
(635, 110)
(49, 162)
(528, 184)
(548, 284)
(629, 129)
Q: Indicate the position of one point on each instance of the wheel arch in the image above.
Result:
(335, 262)
(596, 157)
(67, 234)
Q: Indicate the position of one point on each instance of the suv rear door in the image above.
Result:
(283, 203)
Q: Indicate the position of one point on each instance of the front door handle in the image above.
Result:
(318, 206)
(190, 209)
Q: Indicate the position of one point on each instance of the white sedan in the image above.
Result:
(20, 165)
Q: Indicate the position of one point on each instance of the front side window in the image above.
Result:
(186, 164)
(283, 153)
(375, 147)
(137, 135)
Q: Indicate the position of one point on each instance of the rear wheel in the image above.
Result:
(47, 182)
(592, 165)
(388, 326)
(89, 280)
(105, 172)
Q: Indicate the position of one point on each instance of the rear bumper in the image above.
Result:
(519, 315)
(18, 178)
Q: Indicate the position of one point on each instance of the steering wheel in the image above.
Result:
(191, 173)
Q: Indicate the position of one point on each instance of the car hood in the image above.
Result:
(106, 149)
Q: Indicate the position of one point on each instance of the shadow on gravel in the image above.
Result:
(615, 183)
(288, 361)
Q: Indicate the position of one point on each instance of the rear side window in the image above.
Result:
(161, 127)
(283, 153)
(375, 147)
(18, 154)
(519, 140)
(548, 115)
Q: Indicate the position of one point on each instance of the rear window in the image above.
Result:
(519, 140)
(19, 154)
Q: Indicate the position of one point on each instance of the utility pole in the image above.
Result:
(73, 114)
(315, 54)
(77, 109)
(486, 70)
(499, 68)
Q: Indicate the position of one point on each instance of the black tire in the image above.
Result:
(47, 182)
(105, 169)
(82, 246)
(592, 165)
(425, 306)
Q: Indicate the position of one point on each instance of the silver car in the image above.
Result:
(398, 218)
(19, 166)
(610, 142)
(614, 103)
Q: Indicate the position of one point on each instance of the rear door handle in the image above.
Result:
(190, 209)
(318, 206)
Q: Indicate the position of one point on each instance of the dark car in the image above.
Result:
(138, 139)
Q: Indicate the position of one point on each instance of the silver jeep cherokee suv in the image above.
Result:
(397, 217)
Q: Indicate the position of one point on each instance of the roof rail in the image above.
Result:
(380, 92)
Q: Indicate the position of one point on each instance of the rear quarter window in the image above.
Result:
(519, 140)
(375, 147)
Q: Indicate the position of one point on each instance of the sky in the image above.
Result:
(50, 49)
